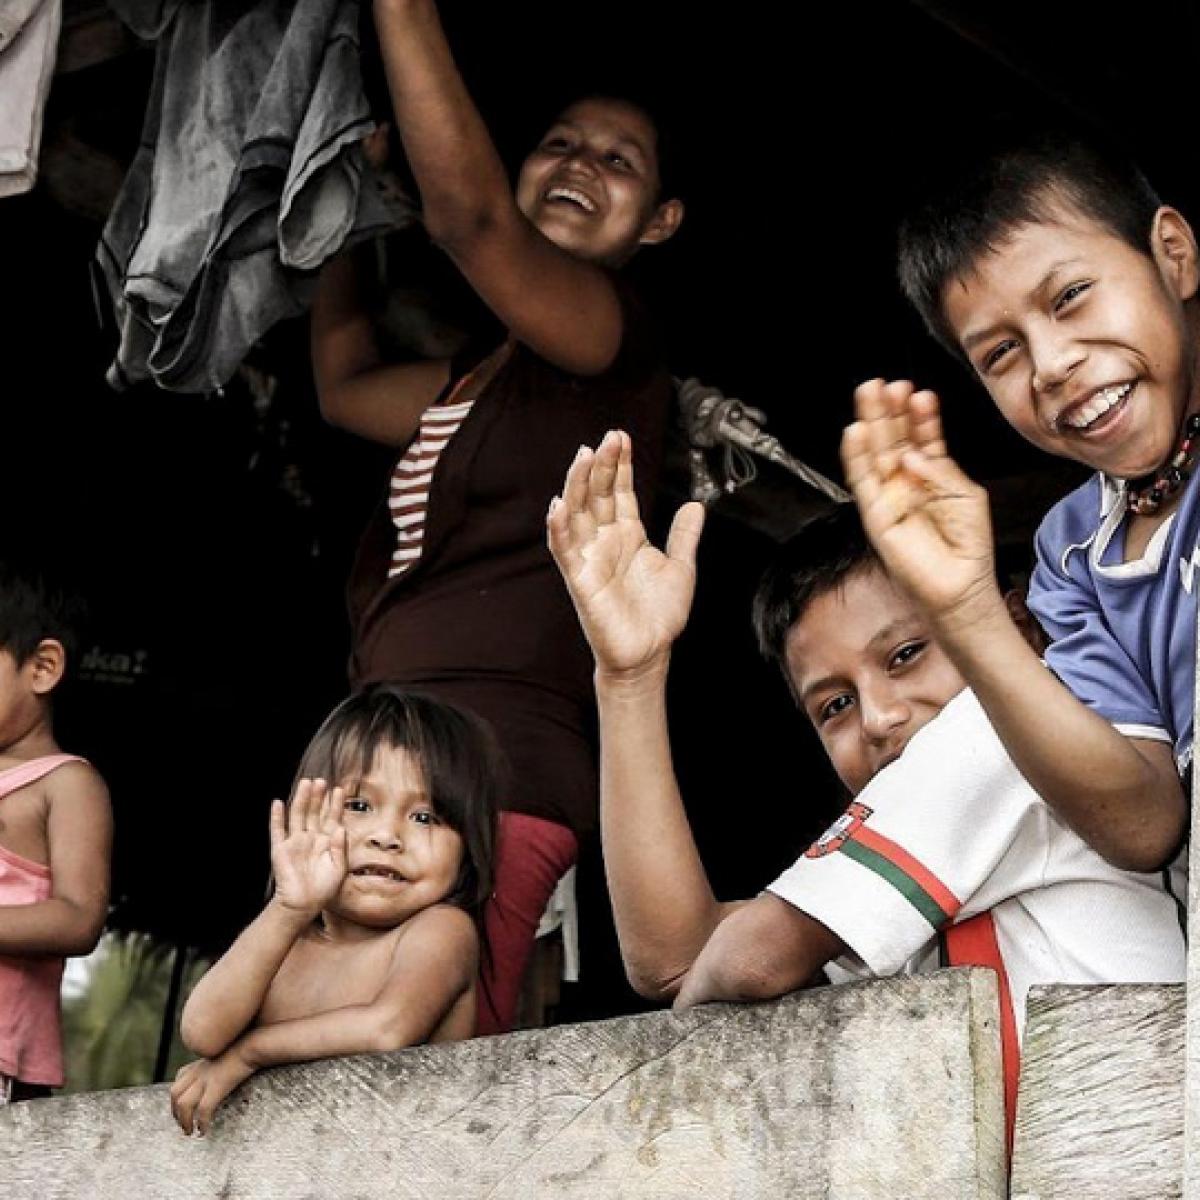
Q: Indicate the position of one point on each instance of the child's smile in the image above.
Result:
(378, 872)
(1084, 342)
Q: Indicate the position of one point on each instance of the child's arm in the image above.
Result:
(308, 860)
(633, 602)
(930, 526)
(79, 833)
(563, 308)
(766, 949)
(435, 964)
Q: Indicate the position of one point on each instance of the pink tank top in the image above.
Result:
(30, 1021)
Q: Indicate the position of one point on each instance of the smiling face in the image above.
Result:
(1086, 345)
(592, 184)
(864, 668)
(402, 856)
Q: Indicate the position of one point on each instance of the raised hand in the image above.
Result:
(927, 520)
(308, 847)
(632, 599)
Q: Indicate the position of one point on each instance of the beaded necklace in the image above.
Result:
(1150, 492)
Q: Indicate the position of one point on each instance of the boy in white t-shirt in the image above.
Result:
(903, 881)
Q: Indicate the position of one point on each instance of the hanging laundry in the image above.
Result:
(28, 47)
(248, 177)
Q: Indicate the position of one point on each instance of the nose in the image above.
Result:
(884, 710)
(386, 836)
(1055, 356)
(581, 159)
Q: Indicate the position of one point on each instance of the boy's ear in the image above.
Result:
(1174, 247)
(46, 665)
(666, 220)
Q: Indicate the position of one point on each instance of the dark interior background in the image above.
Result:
(213, 533)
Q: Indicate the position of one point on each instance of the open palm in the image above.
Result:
(308, 847)
(928, 521)
(632, 599)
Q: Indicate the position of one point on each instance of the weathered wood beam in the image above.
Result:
(880, 1091)
(1100, 1108)
(1191, 1104)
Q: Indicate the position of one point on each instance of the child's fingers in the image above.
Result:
(298, 806)
(183, 1102)
(339, 847)
(277, 824)
(312, 810)
(204, 1112)
(893, 435)
(880, 504)
(625, 496)
(332, 811)
(321, 819)
(926, 424)
(858, 463)
(940, 474)
(881, 408)
(685, 532)
(879, 404)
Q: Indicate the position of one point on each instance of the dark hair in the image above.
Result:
(823, 555)
(457, 753)
(1017, 179)
(36, 604)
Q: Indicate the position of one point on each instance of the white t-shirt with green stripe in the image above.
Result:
(951, 830)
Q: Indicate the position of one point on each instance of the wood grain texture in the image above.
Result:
(889, 1089)
(1100, 1109)
(1191, 1095)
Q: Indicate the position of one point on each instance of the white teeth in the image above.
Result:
(1096, 406)
(574, 196)
(378, 872)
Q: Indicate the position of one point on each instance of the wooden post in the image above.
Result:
(1191, 1071)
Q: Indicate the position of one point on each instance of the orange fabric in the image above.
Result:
(973, 944)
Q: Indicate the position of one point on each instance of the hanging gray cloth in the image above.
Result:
(248, 177)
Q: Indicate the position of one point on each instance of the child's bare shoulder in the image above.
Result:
(76, 784)
(443, 931)
(442, 920)
(77, 778)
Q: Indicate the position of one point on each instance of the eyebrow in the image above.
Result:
(623, 140)
(971, 340)
(882, 637)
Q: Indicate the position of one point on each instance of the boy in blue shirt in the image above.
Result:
(1054, 271)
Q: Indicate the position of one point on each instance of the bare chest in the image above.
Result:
(318, 976)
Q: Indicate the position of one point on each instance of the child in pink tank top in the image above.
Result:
(55, 836)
